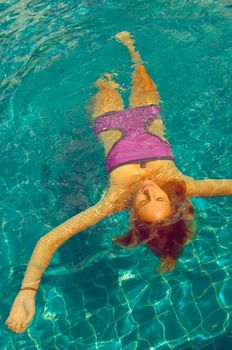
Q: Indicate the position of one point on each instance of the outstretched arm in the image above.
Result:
(23, 308)
(209, 188)
(50, 242)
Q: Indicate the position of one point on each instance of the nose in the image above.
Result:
(147, 192)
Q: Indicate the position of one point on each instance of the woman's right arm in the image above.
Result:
(23, 308)
(49, 243)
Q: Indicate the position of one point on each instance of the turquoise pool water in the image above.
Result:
(94, 295)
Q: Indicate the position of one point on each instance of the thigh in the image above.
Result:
(157, 128)
(144, 91)
(108, 139)
(107, 99)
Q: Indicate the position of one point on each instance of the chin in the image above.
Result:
(148, 182)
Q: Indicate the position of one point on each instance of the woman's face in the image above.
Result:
(151, 203)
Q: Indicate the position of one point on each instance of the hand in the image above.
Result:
(22, 311)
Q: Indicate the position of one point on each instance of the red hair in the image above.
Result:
(167, 239)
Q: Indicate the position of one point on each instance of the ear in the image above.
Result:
(180, 189)
(175, 188)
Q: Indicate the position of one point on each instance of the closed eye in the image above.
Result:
(161, 199)
(143, 203)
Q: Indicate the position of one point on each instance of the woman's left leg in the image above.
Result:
(144, 91)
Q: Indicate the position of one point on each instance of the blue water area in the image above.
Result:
(94, 295)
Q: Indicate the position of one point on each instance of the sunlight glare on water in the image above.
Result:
(95, 295)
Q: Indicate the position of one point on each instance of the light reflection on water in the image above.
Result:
(52, 167)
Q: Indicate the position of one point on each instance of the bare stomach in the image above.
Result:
(159, 171)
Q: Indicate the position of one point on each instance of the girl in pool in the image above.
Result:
(142, 177)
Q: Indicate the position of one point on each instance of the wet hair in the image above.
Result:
(167, 238)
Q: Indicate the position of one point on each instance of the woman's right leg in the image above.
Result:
(107, 99)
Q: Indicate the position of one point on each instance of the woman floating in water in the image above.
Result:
(142, 177)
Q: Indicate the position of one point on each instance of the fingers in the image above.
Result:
(21, 314)
(18, 326)
(15, 327)
(28, 319)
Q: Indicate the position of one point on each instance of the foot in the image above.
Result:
(22, 312)
(125, 38)
(107, 83)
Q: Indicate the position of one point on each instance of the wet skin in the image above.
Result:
(151, 202)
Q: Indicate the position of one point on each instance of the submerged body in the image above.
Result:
(136, 144)
(140, 164)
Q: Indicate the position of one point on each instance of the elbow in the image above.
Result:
(45, 242)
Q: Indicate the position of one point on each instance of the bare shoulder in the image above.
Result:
(113, 199)
(198, 188)
(173, 173)
(169, 171)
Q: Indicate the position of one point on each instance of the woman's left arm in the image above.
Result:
(208, 188)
